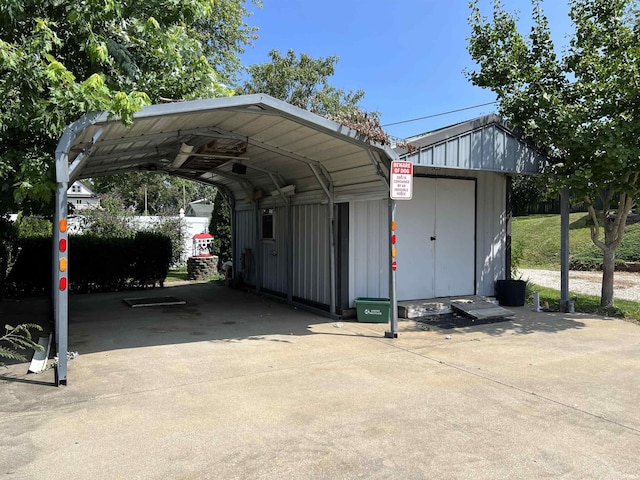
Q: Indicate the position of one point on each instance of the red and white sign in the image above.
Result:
(401, 187)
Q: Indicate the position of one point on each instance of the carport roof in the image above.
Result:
(248, 146)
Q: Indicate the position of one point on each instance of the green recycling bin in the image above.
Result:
(373, 310)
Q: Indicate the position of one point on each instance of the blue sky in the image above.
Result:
(407, 55)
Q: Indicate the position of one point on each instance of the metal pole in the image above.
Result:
(289, 251)
(258, 254)
(564, 250)
(393, 301)
(60, 284)
(332, 252)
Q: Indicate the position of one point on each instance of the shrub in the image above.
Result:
(30, 226)
(95, 263)
(174, 229)
(8, 248)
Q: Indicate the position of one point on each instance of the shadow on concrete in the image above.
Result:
(103, 321)
(524, 322)
(28, 380)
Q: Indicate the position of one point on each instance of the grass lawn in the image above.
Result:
(537, 239)
(591, 304)
(176, 275)
(180, 275)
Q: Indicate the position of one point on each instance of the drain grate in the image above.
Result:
(153, 301)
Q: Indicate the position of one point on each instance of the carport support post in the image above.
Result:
(393, 301)
(59, 287)
(258, 254)
(564, 250)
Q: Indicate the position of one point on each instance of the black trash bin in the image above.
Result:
(511, 293)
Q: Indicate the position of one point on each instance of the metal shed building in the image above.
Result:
(310, 198)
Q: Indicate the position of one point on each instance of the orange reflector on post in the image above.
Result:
(63, 225)
(63, 283)
(393, 252)
(63, 264)
(63, 245)
(393, 226)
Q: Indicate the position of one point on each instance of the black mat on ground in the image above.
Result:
(153, 301)
(454, 321)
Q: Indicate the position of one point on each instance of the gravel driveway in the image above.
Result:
(626, 285)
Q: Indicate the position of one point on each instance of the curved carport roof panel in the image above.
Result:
(242, 144)
(250, 147)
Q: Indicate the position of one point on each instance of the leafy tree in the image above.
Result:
(112, 219)
(220, 229)
(303, 81)
(528, 193)
(165, 194)
(60, 59)
(581, 107)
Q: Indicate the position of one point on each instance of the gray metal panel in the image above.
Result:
(485, 144)
(274, 254)
(246, 238)
(490, 231)
(311, 268)
(368, 249)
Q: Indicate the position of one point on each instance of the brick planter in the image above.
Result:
(202, 268)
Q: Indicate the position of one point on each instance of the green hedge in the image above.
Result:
(96, 264)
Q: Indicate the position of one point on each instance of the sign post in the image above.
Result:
(400, 188)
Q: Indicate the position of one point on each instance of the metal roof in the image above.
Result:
(249, 146)
(486, 143)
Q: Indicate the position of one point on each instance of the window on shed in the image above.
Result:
(267, 224)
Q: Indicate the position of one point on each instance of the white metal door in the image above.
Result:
(415, 225)
(455, 237)
(436, 239)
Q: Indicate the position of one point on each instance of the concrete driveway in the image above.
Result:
(234, 386)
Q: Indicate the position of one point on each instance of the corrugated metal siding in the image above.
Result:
(368, 249)
(274, 254)
(246, 238)
(311, 253)
(489, 148)
(490, 231)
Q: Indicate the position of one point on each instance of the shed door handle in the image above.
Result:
(433, 239)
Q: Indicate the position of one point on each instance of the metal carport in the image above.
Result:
(250, 147)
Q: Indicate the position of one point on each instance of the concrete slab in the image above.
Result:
(234, 386)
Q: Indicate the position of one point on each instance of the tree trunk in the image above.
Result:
(608, 267)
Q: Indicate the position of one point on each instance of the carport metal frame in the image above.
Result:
(67, 174)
